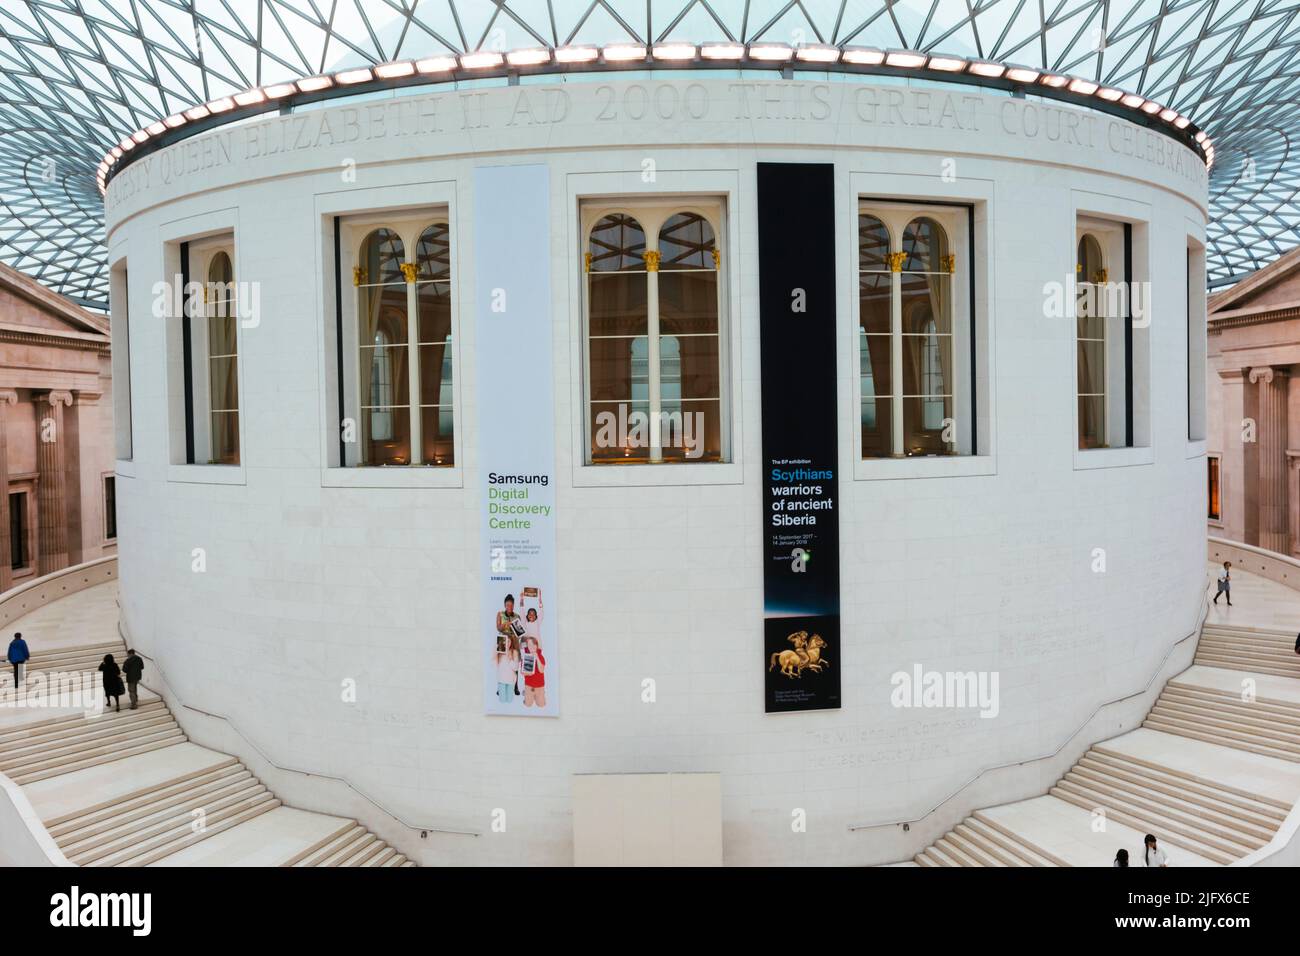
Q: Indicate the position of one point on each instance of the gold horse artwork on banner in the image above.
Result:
(807, 653)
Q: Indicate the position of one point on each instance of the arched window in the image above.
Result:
(690, 380)
(875, 336)
(223, 360)
(383, 343)
(1090, 320)
(905, 336)
(654, 355)
(618, 387)
(433, 291)
(404, 340)
(926, 288)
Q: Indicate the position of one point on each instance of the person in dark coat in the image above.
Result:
(18, 655)
(112, 681)
(133, 668)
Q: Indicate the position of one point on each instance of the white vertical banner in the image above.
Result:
(516, 440)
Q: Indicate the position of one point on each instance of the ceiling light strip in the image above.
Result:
(487, 62)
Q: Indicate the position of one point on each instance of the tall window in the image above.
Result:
(404, 348)
(907, 310)
(1196, 340)
(1213, 511)
(654, 386)
(120, 328)
(19, 557)
(223, 361)
(1090, 317)
(110, 507)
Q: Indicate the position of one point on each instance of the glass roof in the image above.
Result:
(76, 76)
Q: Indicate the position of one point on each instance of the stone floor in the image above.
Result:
(85, 617)
(1256, 602)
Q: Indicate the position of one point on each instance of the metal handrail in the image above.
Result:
(1205, 610)
(422, 828)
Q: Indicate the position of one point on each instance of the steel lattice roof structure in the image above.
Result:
(76, 76)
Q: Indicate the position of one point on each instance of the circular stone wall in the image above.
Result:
(334, 614)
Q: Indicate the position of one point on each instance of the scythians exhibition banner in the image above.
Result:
(516, 441)
(801, 560)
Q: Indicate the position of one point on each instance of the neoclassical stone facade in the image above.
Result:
(56, 432)
(1254, 409)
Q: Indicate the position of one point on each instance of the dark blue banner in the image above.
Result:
(801, 573)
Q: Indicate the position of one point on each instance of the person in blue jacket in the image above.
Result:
(18, 655)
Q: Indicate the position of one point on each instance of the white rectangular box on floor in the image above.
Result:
(647, 819)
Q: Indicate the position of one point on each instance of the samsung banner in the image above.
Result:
(516, 438)
(801, 537)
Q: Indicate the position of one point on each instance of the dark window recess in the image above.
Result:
(18, 530)
(110, 507)
(1212, 512)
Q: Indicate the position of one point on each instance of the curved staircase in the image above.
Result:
(1258, 650)
(1213, 771)
(127, 788)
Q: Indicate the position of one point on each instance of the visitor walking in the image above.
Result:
(1152, 855)
(133, 668)
(1225, 583)
(112, 681)
(1121, 858)
(18, 656)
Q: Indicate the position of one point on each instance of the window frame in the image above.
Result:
(958, 220)
(1197, 344)
(1128, 219)
(652, 211)
(1103, 236)
(202, 254)
(119, 311)
(353, 230)
(1214, 461)
(178, 238)
(202, 357)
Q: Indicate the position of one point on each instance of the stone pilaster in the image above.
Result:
(51, 482)
(1236, 476)
(7, 397)
(1274, 523)
(1293, 479)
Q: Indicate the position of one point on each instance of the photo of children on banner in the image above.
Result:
(519, 650)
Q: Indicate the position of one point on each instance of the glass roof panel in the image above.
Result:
(78, 75)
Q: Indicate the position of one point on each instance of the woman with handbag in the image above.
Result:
(112, 681)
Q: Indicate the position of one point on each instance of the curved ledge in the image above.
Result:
(41, 591)
(1279, 568)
